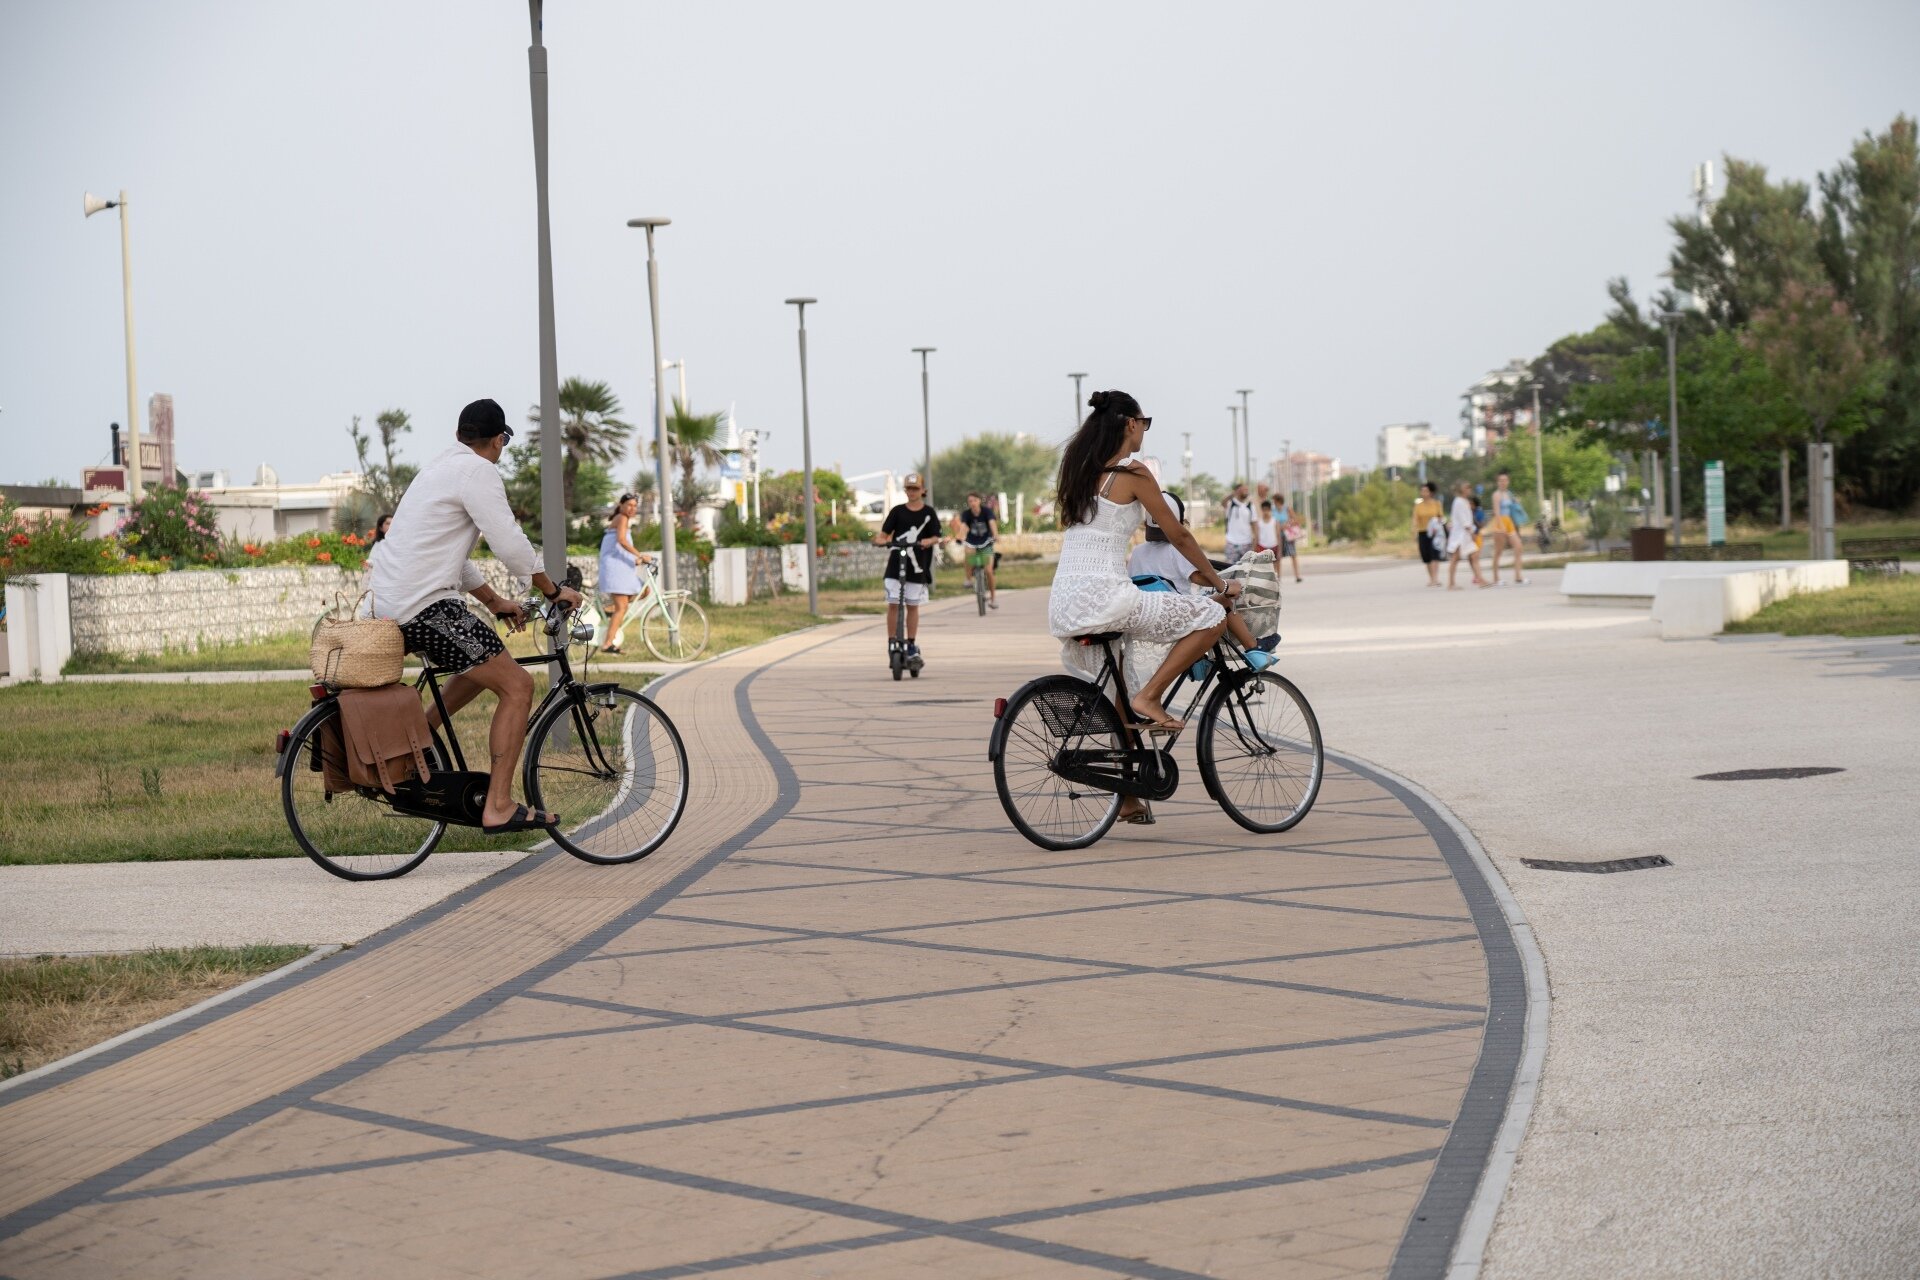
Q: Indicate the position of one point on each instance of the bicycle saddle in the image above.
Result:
(1099, 637)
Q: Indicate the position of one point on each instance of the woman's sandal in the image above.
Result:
(1141, 817)
(523, 819)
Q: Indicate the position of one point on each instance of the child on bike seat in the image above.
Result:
(1158, 558)
(912, 529)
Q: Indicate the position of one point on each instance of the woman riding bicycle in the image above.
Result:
(1102, 498)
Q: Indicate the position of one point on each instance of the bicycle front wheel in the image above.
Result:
(611, 766)
(675, 629)
(1054, 722)
(1259, 752)
(980, 590)
(353, 833)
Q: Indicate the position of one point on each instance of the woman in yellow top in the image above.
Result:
(1430, 531)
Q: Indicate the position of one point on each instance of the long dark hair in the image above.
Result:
(1086, 454)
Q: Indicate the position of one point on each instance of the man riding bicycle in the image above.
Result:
(913, 530)
(424, 569)
(978, 529)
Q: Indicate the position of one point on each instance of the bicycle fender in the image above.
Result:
(997, 740)
(298, 733)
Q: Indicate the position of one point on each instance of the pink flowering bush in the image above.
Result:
(172, 524)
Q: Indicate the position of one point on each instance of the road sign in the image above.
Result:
(1716, 504)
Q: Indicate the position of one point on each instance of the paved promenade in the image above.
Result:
(847, 1023)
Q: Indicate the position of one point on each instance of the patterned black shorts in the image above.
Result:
(451, 636)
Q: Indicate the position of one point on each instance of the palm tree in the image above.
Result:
(692, 441)
(590, 429)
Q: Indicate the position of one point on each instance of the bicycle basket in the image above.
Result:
(1068, 713)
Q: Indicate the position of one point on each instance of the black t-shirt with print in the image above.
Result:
(907, 527)
(979, 527)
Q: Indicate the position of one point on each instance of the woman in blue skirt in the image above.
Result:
(619, 577)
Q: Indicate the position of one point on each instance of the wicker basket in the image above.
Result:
(351, 652)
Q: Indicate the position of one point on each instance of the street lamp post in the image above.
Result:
(1233, 420)
(1186, 465)
(1246, 427)
(926, 426)
(1539, 467)
(1672, 320)
(668, 556)
(553, 513)
(94, 204)
(1286, 447)
(681, 367)
(1077, 401)
(806, 455)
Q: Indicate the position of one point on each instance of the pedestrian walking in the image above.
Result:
(1290, 535)
(1463, 538)
(1430, 531)
(1239, 524)
(1504, 518)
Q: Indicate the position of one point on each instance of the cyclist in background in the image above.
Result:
(913, 530)
(979, 529)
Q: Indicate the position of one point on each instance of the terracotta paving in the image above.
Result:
(846, 1024)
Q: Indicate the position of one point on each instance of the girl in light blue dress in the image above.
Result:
(619, 575)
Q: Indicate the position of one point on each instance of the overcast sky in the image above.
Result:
(1355, 209)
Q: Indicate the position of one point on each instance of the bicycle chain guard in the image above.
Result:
(451, 796)
(1147, 773)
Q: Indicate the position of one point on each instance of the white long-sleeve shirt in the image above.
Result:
(457, 499)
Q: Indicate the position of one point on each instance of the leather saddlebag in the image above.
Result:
(387, 735)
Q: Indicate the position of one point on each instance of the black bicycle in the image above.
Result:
(602, 757)
(1062, 757)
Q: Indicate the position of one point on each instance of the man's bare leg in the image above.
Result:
(510, 682)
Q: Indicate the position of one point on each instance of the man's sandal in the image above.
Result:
(523, 819)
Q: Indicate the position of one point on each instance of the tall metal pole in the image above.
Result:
(1539, 467)
(1186, 466)
(1673, 423)
(806, 457)
(668, 552)
(1233, 419)
(1286, 446)
(553, 513)
(1078, 415)
(1246, 426)
(926, 427)
(92, 205)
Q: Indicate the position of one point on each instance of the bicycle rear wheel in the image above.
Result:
(1259, 752)
(1052, 715)
(612, 767)
(354, 834)
(675, 629)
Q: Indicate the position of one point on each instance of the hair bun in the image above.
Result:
(1100, 400)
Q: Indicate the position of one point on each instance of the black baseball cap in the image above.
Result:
(483, 420)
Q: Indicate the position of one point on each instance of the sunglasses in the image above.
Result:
(1145, 423)
(506, 433)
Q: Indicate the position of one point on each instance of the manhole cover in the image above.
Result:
(1757, 775)
(1599, 868)
(939, 702)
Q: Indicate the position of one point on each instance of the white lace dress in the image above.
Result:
(1092, 592)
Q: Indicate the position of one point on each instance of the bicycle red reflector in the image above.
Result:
(280, 741)
(999, 707)
(318, 691)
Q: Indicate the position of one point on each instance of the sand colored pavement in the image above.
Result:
(846, 1023)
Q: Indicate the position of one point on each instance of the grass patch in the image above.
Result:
(279, 653)
(51, 1006)
(159, 772)
(1870, 607)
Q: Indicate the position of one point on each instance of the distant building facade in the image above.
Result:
(1485, 423)
(1404, 444)
(1302, 471)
